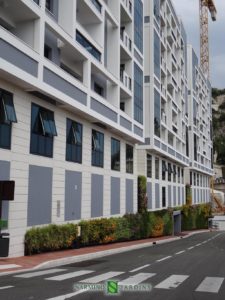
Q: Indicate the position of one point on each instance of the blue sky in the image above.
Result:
(188, 10)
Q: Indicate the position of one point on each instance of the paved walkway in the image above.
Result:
(8, 265)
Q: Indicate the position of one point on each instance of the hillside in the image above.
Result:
(218, 109)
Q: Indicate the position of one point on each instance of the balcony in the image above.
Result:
(88, 46)
(97, 5)
(128, 5)
(125, 79)
(125, 39)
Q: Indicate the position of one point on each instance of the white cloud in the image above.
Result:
(189, 12)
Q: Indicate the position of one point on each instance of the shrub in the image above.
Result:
(50, 238)
(188, 195)
(142, 194)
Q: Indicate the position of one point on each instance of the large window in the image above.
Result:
(164, 170)
(115, 154)
(170, 171)
(88, 46)
(73, 141)
(149, 166)
(138, 24)
(129, 158)
(7, 117)
(157, 53)
(195, 148)
(43, 130)
(97, 149)
(163, 196)
(174, 173)
(157, 113)
(156, 168)
(157, 10)
(138, 94)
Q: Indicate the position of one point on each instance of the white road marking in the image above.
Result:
(191, 248)
(69, 275)
(180, 252)
(171, 282)
(102, 277)
(164, 258)
(197, 245)
(136, 279)
(140, 268)
(68, 296)
(11, 266)
(39, 273)
(210, 285)
(6, 287)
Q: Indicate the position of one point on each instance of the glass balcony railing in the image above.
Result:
(87, 45)
(97, 5)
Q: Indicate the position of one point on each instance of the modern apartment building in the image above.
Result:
(199, 174)
(71, 110)
(164, 155)
(178, 137)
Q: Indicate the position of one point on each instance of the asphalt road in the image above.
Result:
(191, 268)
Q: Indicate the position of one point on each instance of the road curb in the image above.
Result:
(83, 257)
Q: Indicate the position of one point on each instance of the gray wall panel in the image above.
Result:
(115, 195)
(39, 209)
(125, 123)
(179, 196)
(103, 110)
(138, 131)
(18, 58)
(64, 86)
(157, 196)
(5, 175)
(129, 196)
(73, 192)
(174, 196)
(96, 195)
(149, 194)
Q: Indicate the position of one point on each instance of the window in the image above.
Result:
(129, 159)
(73, 141)
(178, 171)
(149, 166)
(182, 176)
(164, 170)
(170, 171)
(98, 89)
(157, 113)
(138, 24)
(187, 142)
(156, 168)
(43, 130)
(194, 179)
(195, 147)
(48, 52)
(122, 106)
(163, 196)
(190, 178)
(157, 53)
(97, 149)
(115, 154)
(97, 5)
(7, 117)
(88, 46)
(174, 173)
(138, 94)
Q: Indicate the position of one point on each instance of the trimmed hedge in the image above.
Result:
(50, 238)
(103, 231)
(196, 216)
(99, 231)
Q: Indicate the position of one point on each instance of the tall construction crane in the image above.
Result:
(205, 5)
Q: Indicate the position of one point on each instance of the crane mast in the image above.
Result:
(205, 6)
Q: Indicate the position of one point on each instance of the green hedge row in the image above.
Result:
(103, 231)
(99, 231)
(196, 216)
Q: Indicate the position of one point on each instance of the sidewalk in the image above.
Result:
(59, 258)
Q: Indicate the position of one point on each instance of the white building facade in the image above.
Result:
(200, 172)
(71, 110)
(167, 157)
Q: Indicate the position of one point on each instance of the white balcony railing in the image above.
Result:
(126, 40)
(125, 79)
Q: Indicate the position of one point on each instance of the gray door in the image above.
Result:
(73, 192)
